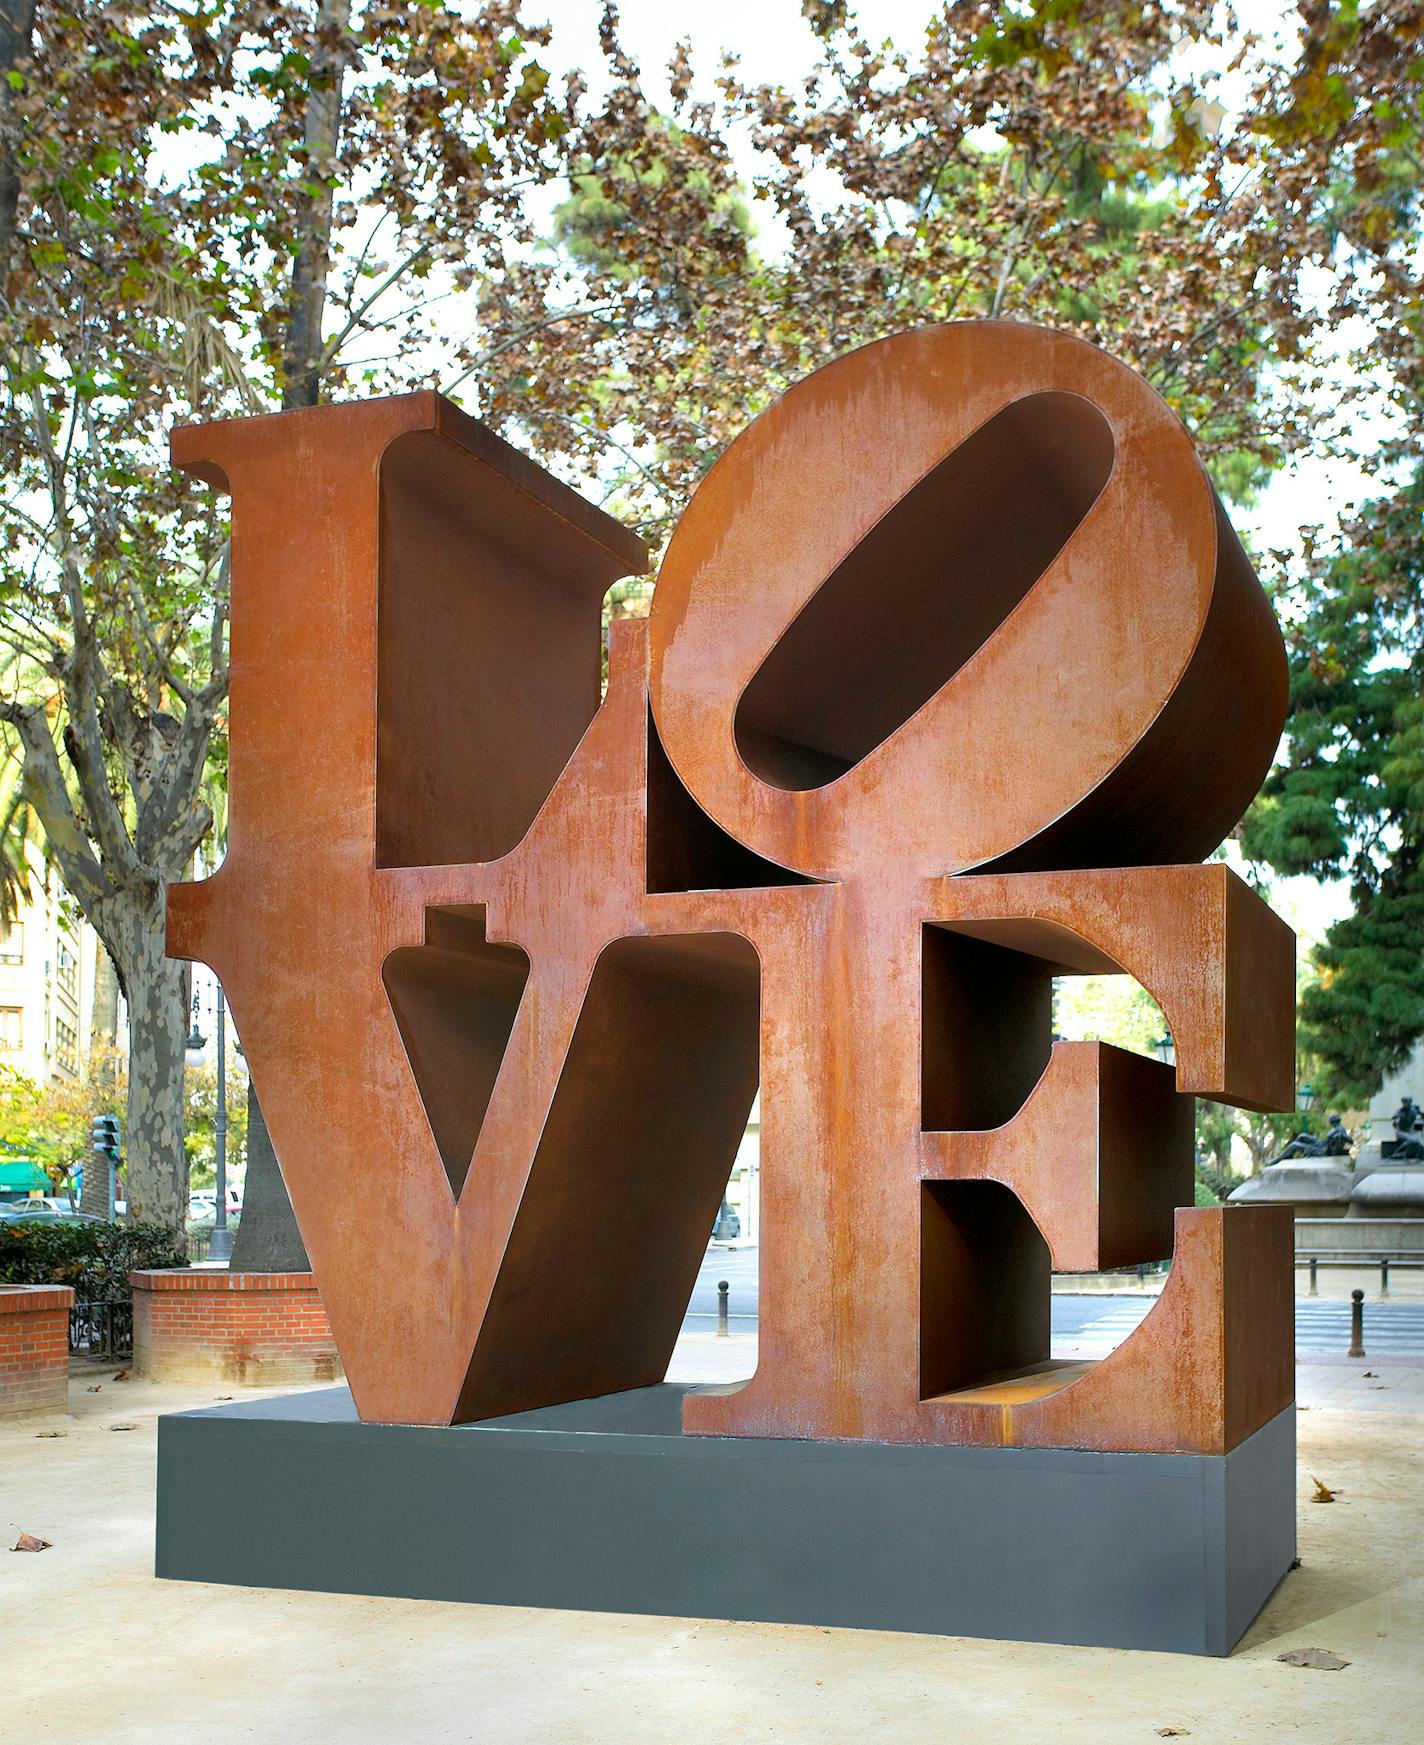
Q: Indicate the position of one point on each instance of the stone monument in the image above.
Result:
(1389, 1173)
(955, 671)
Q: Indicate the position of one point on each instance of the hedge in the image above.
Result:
(95, 1258)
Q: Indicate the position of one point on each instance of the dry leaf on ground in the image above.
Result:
(1320, 1658)
(1323, 1492)
(92, 1390)
(123, 1426)
(1173, 1732)
(123, 1375)
(29, 1542)
(45, 1435)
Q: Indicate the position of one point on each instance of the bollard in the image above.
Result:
(1357, 1324)
(1384, 1278)
(722, 1290)
(1314, 1287)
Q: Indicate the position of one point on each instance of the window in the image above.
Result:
(66, 1046)
(67, 969)
(12, 943)
(12, 1035)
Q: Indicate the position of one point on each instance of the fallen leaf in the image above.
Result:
(44, 1435)
(123, 1426)
(1370, 1372)
(92, 1390)
(222, 1396)
(123, 1375)
(28, 1542)
(1294, 1563)
(1172, 1732)
(1320, 1658)
(1323, 1492)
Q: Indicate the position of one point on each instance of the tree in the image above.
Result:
(1345, 127)
(203, 213)
(199, 1128)
(1048, 165)
(1339, 179)
(50, 1123)
(264, 203)
(1348, 799)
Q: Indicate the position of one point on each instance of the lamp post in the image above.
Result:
(1306, 1100)
(220, 1248)
(220, 1243)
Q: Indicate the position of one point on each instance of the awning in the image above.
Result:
(22, 1175)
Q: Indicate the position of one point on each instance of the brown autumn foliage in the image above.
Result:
(263, 203)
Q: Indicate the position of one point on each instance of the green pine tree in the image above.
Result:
(1349, 798)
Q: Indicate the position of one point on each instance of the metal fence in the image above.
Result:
(1353, 1262)
(101, 1330)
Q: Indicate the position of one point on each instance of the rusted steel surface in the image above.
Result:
(949, 649)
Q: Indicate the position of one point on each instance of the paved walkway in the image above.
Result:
(195, 1665)
(1376, 1384)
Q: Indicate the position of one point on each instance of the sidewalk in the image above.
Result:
(197, 1665)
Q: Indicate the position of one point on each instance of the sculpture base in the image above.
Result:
(603, 1505)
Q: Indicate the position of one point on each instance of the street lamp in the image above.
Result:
(196, 1042)
(1306, 1100)
(1165, 1050)
(220, 1247)
(220, 1243)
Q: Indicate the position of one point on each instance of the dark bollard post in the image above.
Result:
(1314, 1266)
(722, 1290)
(1384, 1277)
(1357, 1324)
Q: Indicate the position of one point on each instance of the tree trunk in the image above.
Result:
(104, 1026)
(267, 1239)
(155, 1165)
(302, 360)
(17, 24)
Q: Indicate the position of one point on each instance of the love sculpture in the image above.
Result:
(955, 670)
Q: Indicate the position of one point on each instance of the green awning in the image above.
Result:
(22, 1175)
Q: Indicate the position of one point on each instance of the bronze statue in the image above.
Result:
(1408, 1146)
(1335, 1143)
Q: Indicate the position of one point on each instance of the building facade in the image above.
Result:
(47, 959)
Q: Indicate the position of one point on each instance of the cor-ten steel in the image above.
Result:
(955, 671)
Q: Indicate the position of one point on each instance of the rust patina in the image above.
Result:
(955, 671)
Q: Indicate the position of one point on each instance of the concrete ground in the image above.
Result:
(96, 1652)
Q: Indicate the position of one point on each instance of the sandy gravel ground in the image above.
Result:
(96, 1652)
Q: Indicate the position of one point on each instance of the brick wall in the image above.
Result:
(34, 1348)
(252, 1329)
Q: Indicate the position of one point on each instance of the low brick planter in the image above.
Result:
(34, 1348)
(251, 1329)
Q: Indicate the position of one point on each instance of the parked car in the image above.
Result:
(45, 1210)
(39, 1207)
(203, 1204)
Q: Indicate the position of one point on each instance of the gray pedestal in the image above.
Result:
(604, 1505)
